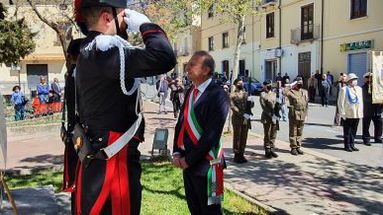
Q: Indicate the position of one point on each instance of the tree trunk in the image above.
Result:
(55, 26)
(237, 51)
(237, 54)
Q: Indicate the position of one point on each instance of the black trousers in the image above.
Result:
(350, 127)
(93, 178)
(176, 106)
(324, 99)
(196, 195)
(377, 120)
(312, 94)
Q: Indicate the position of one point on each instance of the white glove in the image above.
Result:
(134, 20)
(246, 116)
(292, 84)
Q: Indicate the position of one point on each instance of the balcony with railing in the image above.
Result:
(309, 34)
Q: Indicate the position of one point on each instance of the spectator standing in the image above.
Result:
(350, 104)
(324, 90)
(281, 100)
(285, 78)
(312, 86)
(163, 93)
(340, 84)
(43, 91)
(330, 79)
(279, 77)
(56, 90)
(176, 95)
(318, 78)
(19, 101)
(372, 112)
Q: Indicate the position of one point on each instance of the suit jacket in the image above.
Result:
(211, 111)
(348, 110)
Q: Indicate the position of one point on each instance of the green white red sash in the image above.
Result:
(215, 187)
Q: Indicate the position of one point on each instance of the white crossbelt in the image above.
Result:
(121, 142)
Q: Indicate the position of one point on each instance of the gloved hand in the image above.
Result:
(134, 20)
(292, 84)
(246, 116)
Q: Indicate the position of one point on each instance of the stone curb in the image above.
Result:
(32, 170)
(254, 201)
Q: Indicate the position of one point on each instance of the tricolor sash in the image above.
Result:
(215, 174)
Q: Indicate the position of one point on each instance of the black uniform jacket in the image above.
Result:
(211, 111)
(101, 102)
(369, 109)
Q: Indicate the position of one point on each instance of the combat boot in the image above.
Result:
(299, 150)
(273, 153)
(268, 153)
(236, 158)
(294, 152)
(378, 140)
(242, 158)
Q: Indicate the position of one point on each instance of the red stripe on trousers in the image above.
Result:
(116, 182)
(78, 188)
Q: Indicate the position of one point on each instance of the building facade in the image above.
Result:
(47, 60)
(186, 43)
(300, 37)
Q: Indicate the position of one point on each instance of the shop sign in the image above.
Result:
(367, 44)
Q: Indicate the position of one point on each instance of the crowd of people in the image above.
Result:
(101, 159)
(46, 99)
(353, 104)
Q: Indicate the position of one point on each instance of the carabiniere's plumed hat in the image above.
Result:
(81, 4)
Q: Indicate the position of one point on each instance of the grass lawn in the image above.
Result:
(163, 191)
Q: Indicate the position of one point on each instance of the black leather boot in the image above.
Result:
(273, 153)
(268, 153)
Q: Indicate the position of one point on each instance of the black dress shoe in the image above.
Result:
(299, 150)
(294, 152)
(354, 148)
(367, 143)
(348, 149)
(378, 141)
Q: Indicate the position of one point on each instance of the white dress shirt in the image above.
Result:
(202, 87)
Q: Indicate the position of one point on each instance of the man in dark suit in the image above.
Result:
(197, 141)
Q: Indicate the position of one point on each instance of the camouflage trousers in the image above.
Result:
(295, 133)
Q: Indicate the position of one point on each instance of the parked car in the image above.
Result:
(252, 85)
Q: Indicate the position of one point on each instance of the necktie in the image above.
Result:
(195, 93)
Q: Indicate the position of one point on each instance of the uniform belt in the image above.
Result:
(121, 142)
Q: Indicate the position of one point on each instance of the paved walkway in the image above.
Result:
(313, 183)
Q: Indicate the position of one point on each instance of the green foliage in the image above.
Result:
(163, 190)
(15, 39)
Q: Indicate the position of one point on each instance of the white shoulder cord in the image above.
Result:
(106, 42)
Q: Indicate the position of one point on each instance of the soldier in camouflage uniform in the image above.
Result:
(269, 118)
(298, 99)
(241, 120)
